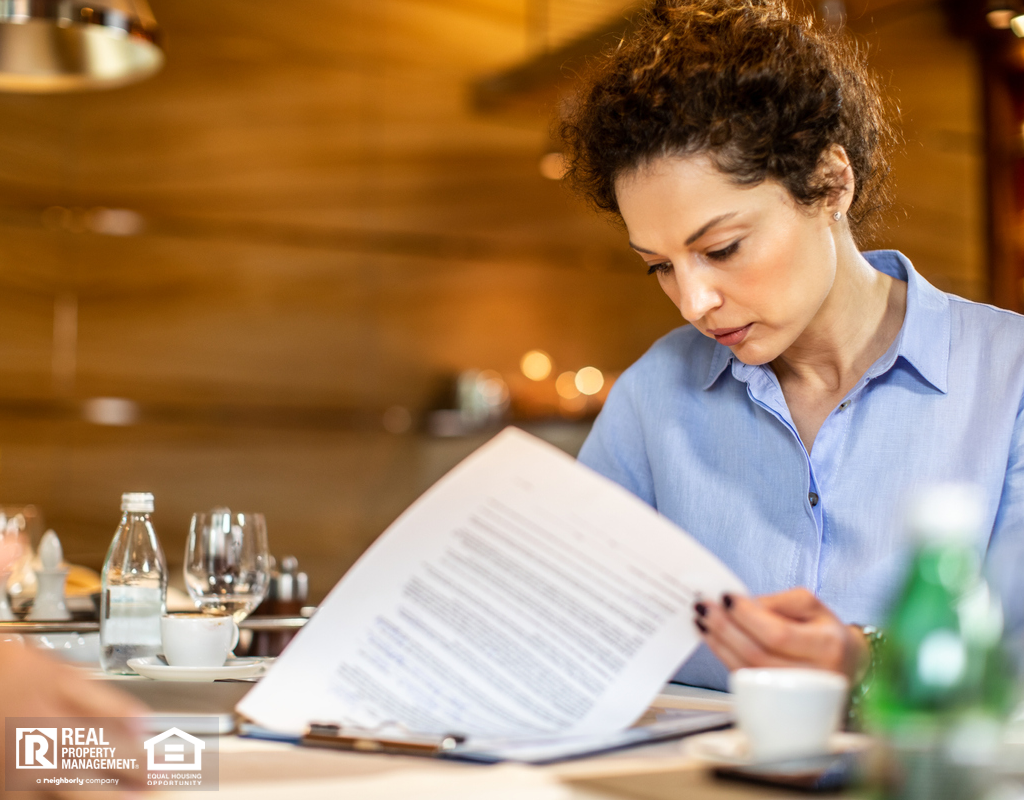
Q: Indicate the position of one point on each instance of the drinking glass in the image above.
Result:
(20, 526)
(227, 564)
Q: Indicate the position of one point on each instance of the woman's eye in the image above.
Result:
(724, 253)
(664, 266)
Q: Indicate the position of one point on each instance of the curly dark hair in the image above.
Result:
(762, 92)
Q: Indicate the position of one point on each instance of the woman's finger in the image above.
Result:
(724, 653)
(723, 628)
(798, 604)
(733, 660)
(819, 640)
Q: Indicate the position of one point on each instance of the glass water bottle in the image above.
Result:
(134, 592)
(942, 686)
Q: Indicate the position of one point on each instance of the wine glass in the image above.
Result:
(227, 564)
(20, 526)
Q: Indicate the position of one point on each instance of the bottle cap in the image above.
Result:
(137, 502)
(948, 512)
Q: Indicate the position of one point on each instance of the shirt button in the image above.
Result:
(813, 498)
(844, 405)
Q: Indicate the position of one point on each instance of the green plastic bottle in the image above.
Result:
(943, 683)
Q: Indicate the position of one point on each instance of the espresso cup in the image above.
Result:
(197, 640)
(788, 713)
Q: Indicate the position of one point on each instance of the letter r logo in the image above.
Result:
(37, 748)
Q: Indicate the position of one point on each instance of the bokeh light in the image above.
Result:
(492, 387)
(589, 380)
(397, 419)
(999, 18)
(552, 166)
(573, 406)
(536, 365)
(110, 411)
(565, 385)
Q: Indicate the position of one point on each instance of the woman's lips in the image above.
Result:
(730, 336)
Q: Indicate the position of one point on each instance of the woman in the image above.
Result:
(816, 387)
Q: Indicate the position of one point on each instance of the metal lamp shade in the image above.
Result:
(61, 46)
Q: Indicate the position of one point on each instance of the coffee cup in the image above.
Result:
(198, 640)
(788, 712)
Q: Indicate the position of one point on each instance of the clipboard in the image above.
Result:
(329, 734)
(674, 724)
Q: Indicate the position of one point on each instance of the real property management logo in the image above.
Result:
(171, 750)
(37, 748)
(64, 754)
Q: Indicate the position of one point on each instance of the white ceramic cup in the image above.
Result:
(788, 713)
(197, 640)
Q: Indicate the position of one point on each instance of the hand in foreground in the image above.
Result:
(35, 685)
(788, 629)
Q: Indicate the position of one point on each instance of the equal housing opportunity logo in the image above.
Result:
(173, 750)
(50, 754)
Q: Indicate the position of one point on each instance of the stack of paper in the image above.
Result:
(523, 597)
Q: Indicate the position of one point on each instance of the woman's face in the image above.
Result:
(746, 266)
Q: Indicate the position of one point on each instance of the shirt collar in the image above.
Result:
(923, 340)
(720, 359)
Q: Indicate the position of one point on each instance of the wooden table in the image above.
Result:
(259, 770)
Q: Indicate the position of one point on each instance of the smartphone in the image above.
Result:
(821, 774)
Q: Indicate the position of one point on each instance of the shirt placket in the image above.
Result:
(763, 388)
(824, 462)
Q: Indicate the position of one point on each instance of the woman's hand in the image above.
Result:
(35, 685)
(788, 629)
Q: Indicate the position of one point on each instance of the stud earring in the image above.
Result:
(837, 216)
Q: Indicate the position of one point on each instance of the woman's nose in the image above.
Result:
(697, 296)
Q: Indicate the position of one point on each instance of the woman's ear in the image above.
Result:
(837, 173)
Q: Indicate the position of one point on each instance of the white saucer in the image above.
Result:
(731, 747)
(156, 668)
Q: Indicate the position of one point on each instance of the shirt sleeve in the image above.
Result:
(616, 447)
(1005, 558)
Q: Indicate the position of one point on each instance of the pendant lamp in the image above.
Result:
(72, 45)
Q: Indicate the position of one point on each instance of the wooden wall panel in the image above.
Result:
(934, 78)
(331, 230)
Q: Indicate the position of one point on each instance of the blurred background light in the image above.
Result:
(536, 365)
(397, 419)
(573, 406)
(492, 388)
(565, 385)
(116, 222)
(110, 411)
(552, 166)
(105, 221)
(999, 18)
(589, 380)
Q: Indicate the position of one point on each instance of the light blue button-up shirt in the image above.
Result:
(709, 442)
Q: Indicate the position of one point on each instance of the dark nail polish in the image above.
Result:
(701, 625)
(701, 609)
(727, 600)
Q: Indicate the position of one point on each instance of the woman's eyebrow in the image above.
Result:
(708, 226)
(693, 236)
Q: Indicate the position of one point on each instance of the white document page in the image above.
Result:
(522, 596)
